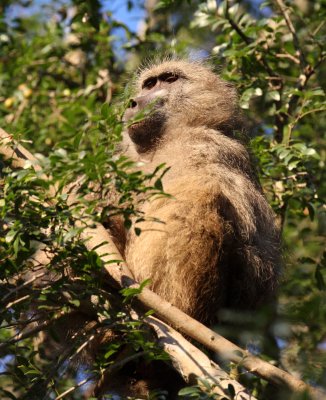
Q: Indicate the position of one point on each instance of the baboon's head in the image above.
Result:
(179, 94)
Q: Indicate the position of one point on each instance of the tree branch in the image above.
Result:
(29, 332)
(296, 42)
(235, 26)
(193, 362)
(98, 239)
(248, 41)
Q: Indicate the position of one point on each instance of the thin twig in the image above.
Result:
(235, 26)
(289, 56)
(300, 116)
(248, 41)
(73, 388)
(314, 33)
(23, 285)
(12, 303)
(296, 42)
(30, 332)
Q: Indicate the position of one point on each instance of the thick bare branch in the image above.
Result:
(193, 362)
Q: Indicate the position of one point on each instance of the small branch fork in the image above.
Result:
(98, 239)
(296, 42)
(248, 41)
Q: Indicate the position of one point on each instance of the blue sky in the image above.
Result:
(121, 13)
(117, 7)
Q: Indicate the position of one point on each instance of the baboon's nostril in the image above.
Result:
(132, 103)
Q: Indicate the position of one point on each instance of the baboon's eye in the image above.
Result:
(149, 83)
(168, 77)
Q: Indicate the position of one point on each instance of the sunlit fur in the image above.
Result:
(217, 244)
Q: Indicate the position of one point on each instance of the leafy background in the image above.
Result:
(63, 71)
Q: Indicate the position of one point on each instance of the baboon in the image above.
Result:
(218, 243)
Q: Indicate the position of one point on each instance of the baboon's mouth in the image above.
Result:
(141, 123)
(136, 125)
(146, 132)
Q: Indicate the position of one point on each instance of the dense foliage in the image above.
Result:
(63, 67)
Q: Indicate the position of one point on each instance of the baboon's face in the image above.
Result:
(147, 111)
(178, 94)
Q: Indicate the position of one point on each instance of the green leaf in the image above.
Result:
(189, 391)
(105, 110)
(274, 95)
(75, 302)
(320, 279)
(158, 184)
